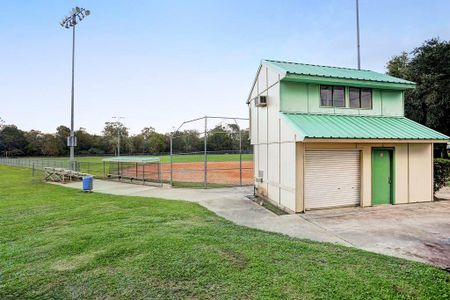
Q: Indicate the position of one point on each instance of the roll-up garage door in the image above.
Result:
(332, 178)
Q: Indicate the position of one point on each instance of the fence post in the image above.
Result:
(104, 171)
(160, 177)
(205, 154)
(240, 156)
(171, 160)
(33, 170)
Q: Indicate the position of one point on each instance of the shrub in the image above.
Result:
(441, 172)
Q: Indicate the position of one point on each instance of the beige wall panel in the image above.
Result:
(366, 175)
(262, 79)
(253, 123)
(262, 124)
(320, 146)
(262, 166)
(254, 91)
(274, 164)
(272, 76)
(420, 172)
(288, 199)
(401, 173)
(273, 192)
(299, 158)
(287, 164)
(255, 160)
(274, 115)
(286, 132)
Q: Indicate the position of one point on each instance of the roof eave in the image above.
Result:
(371, 140)
(345, 81)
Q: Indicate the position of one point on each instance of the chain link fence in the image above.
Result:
(220, 169)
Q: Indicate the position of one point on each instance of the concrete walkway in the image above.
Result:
(418, 231)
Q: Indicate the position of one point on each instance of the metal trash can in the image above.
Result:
(88, 183)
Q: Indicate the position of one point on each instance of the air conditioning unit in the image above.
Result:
(261, 101)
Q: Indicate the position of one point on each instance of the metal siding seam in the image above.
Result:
(279, 160)
(407, 146)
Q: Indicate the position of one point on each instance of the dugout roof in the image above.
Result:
(132, 159)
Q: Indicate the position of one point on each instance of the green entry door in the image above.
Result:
(381, 177)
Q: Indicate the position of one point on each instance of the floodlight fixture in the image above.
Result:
(76, 13)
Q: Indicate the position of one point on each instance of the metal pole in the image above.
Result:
(357, 34)
(72, 133)
(171, 161)
(118, 139)
(205, 154)
(240, 156)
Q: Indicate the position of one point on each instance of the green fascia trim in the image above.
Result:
(360, 127)
(347, 82)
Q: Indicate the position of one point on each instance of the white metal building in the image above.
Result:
(331, 137)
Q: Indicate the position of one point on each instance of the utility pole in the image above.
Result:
(75, 16)
(118, 133)
(357, 35)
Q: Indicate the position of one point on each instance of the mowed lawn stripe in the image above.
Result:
(60, 243)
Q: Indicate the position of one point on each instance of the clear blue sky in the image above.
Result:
(161, 62)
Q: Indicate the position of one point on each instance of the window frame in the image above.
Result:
(360, 98)
(344, 89)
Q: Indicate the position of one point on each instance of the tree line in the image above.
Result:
(429, 104)
(16, 142)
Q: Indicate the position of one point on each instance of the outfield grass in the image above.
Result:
(60, 243)
(164, 158)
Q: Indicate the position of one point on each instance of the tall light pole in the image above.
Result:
(75, 16)
(357, 35)
(118, 133)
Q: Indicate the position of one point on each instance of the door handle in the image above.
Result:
(389, 180)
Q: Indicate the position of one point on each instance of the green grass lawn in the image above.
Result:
(60, 243)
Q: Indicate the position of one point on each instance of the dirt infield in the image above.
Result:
(222, 173)
(218, 172)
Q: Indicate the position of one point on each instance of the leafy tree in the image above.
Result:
(219, 138)
(111, 132)
(62, 132)
(428, 66)
(187, 141)
(85, 141)
(34, 142)
(154, 142)
(12, 141)
(51, 145)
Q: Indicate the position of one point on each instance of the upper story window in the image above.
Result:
(332, 96)
(360, 97)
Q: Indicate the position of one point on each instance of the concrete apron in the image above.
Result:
(405, 231)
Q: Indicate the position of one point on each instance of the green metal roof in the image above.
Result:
(300, 71)
(360, 127)
(132, 159)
